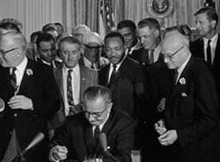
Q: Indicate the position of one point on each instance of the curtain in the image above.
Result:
(85, 11)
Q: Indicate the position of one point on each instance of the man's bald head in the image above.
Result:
(175, 48)
(12, 49)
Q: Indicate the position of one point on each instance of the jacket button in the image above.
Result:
(15, 115)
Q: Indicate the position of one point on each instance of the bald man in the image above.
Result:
(189, 125)
(79, 31)
(30, 96)
(92, 56)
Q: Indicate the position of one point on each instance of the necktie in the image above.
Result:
(113, 75)
(208, 52)
(96, 132)
(175, 76)
(151, 56)
(13, 82)
(93, 66)
(70, 93)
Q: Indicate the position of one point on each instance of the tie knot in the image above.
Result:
(96, 132)
(13, 70)
(70, 71)
(209, 41)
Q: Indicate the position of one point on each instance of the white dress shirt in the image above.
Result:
(75, 86)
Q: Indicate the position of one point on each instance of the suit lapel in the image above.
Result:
(26, 75)
(180, 84)
(82, 79)
(59, 79)
(217, 51)
(89, 140)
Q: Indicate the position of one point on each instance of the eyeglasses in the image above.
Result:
(92, 47)
(96, 114)
(2, 52)
(170, 56)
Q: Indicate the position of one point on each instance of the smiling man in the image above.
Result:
(77, 139)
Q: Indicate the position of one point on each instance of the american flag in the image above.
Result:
(106, 17)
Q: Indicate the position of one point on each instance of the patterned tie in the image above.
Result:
(70, 93)
(13, 82)
(113, 75)
(208, 52)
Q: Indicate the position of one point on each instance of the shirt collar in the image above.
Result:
(180, 70)
(75, 69)
(213, 39)
(22, 65)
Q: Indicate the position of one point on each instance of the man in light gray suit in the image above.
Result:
(72, 80)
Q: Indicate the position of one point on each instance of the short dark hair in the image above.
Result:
(69, 39)
(114, 34)
(150, 22)
(127, 23)
(96, 91)
(45, 37)
(210, 12)
(34, 35)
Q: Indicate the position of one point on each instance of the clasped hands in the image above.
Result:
(20, 102)
(167, 137)
(58, 153)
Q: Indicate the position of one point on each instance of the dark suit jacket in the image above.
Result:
(192, 110)
(76, 135)
(129, 87)
(39, 85)
(141, 55)
(197, 49)
(87, 78)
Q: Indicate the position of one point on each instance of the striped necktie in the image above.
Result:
(13, 82)
(70, 93)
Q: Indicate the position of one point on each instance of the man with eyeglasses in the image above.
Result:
(29, 95)
(93, 51)
(77, 140)
(189, 126)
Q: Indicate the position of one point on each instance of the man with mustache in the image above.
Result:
(124, 76)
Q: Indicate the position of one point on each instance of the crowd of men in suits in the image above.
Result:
(136, 89)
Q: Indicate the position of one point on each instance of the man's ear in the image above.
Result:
(213, 23)
(156, 33)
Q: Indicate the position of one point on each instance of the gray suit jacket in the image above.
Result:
(87, 78)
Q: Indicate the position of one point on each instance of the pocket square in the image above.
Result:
(184, 94)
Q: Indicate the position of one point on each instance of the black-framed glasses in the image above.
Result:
(2, 52)
(170, 56)
(96, 114)
(92, 47)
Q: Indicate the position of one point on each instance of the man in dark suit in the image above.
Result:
(128, 30)
(81, 136)
(150, 37)
(29, 92)
(81, 78)
(206, 23)
(128, 81)
(190, 123)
